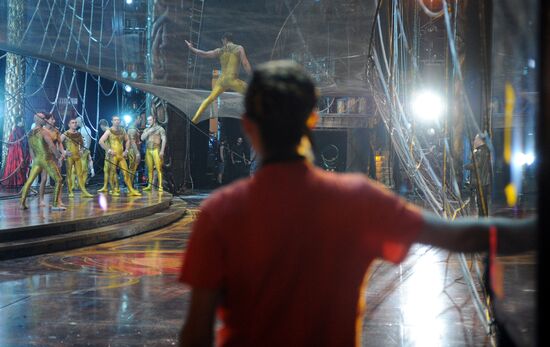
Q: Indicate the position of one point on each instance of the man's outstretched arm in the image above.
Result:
(205, 54)
(198, 329)
(472, 235)
(245, 62)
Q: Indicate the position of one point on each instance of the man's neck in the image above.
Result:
(72, 131)
(115, 128)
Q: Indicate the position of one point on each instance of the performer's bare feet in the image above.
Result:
(160, 189)
(114, 193)
(134, 193)
(102, 190)
(147, 189)
(86, 195)
(23, 206)
(71, 195)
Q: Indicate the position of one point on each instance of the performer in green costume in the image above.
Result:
(44, 154)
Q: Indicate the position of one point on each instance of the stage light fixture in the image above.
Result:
(127, 88)
(129, 2)
(133, 75)
(124, 74)
(427, 106)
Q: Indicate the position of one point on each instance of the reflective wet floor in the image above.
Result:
(126, 293)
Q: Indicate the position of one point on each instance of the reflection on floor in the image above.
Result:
(125, 293)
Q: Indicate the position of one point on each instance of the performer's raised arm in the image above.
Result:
(205, 54)
(244, 61)
(163, 142)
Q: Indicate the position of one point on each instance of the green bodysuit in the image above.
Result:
(43, 159)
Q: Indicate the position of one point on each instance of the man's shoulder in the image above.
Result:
(227, 198)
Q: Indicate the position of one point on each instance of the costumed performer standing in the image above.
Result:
(231, 57)
(56, 138)
(108, 178)
(134, 156)
(155, 137)
(74, 143)
(86, 156)
(44, 153)
(114, 141)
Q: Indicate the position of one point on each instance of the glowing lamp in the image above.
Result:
(127, 88)
(427, 106)
(127, 119)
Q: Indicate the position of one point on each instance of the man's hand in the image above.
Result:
(189, 44)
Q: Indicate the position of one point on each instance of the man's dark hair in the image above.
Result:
(280, 99)
(103, 122)
(228, 36)
(115, 115)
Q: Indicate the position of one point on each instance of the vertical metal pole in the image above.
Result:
(149, 57)
(15, 73)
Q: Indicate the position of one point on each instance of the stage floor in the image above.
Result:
(126, 293)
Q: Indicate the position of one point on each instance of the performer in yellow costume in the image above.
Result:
(74, 143)
(231, 57)
(85, 156)
(155, 135)
(116, 154)
(56, 139)
(44, 154)
(108, 177)
(134, 157)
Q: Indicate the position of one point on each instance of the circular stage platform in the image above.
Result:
(103, 218)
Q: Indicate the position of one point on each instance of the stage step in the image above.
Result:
(81, 238)
(26, 232)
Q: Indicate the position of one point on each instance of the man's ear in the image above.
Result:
(312, 120)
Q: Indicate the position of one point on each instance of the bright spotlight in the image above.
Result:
(427, 106)
(129, 2)
(127, 88)
(521, 159)
(133, 75)
(127, 119)
(124, 74)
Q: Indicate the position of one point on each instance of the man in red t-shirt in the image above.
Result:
(283, 255)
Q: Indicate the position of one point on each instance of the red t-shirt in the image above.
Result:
(290, 248)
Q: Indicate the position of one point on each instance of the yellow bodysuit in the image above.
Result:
(116, 140)
(43, 159)
(230, 61)
(109, 175)
(153, 159)
(133, 152)
(73, 143)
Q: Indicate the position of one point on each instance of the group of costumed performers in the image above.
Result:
(49, 149)
(120, 145)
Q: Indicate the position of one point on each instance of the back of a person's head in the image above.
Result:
(280, 99)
